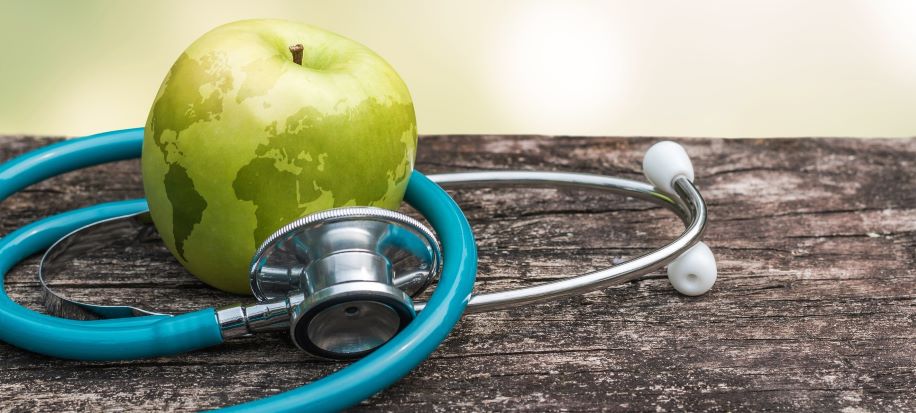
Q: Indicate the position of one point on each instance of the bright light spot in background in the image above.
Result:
(558, 68)
(895, 22)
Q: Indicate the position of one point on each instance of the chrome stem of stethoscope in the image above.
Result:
(343, 280)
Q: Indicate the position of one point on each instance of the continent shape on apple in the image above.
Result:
(244, 138)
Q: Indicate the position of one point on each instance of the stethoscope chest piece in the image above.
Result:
(348, 276)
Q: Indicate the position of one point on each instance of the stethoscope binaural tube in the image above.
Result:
(96, 340)
(150, 336)
(686, 250)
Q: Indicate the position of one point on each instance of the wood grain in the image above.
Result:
(814, 309)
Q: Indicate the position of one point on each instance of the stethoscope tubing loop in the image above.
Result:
(156, 335)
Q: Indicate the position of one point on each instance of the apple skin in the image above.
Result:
(241, 140)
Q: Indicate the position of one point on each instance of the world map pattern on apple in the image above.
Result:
(308, 162)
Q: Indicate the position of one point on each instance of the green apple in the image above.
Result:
(250, 131)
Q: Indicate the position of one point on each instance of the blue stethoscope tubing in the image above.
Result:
(151, 336)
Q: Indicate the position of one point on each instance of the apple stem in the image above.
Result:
(297, 53)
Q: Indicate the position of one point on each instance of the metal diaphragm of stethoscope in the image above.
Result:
(342, 281)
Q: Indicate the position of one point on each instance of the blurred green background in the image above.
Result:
(697, 68)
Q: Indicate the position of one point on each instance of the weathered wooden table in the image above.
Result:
(814, 309)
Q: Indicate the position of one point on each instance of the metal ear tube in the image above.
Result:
(340, 281)
(692, 270)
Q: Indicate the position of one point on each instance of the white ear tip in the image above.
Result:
(663, 162)
(694, 272)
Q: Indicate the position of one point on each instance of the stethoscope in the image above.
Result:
(343, 282)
